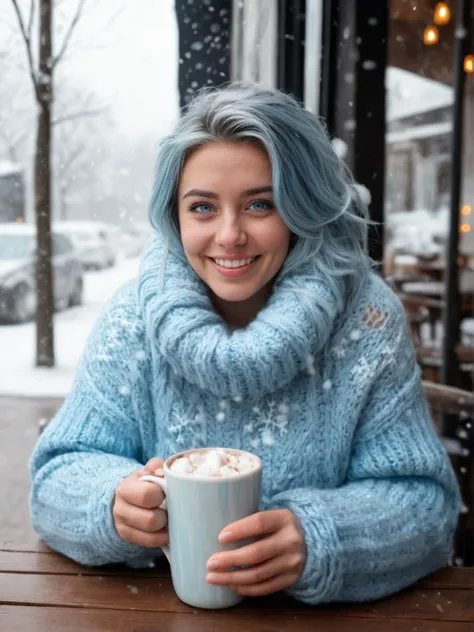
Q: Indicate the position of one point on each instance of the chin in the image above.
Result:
(234, 294)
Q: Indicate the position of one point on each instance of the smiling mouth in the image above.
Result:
(231, 264)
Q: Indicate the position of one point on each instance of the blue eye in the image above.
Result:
(261, 205)
(202, 207)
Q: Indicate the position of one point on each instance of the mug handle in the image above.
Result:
(161, 483)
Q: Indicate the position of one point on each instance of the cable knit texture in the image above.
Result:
(330, 401)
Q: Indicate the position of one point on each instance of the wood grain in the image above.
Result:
(46, 619)
(157, 595)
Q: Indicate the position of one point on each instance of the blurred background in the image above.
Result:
(87, 90)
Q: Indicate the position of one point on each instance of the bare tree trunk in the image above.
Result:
(44, 275)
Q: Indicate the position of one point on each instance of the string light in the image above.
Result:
(465, 228)
(466, 210)
(469, 63)
(431, 35)
(442, 14)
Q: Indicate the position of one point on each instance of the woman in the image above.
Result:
(255, 323)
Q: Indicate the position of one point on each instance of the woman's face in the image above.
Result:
(232, 235)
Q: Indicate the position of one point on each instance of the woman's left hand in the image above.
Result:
(276, 559)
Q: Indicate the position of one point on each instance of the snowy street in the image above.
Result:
(18, 376)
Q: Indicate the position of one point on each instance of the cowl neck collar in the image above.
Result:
(191, 336)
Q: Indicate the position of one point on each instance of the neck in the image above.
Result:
(238, 314)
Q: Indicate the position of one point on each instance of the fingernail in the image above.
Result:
(225, 536)
(212, 565)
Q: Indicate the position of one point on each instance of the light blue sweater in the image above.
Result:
(332, 403)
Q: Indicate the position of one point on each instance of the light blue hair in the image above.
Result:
(313, 190)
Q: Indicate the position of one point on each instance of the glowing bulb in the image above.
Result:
(442, 14)
(465, 228)
(431, 35)
(469, 63)
(466, 210)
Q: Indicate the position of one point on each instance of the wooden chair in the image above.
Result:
(455, 407)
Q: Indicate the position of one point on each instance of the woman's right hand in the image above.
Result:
(137, 516)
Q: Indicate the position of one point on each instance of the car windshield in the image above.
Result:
(15, 246)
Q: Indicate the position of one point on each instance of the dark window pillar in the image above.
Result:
(291, 36)
(353, 94)
(204, 45)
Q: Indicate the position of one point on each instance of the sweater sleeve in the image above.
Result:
(392, 520)
(92, 444)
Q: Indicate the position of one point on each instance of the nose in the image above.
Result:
(230, 232)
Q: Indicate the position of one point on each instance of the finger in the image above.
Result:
(260, 523)
(140, 493)
(275, 584)
(154, 464)
(254, 553)
(142, 538)
(253, 575)
(151, 466)
(150, 520)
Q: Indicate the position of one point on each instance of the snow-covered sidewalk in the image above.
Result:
(19, 376)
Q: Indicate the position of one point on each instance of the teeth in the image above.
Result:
(238, 263)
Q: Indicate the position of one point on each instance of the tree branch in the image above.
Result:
(75, 115)
(26, 38)
(30, 22)
(69, 32)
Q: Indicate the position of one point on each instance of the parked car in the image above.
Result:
(93, 242)
(18, 272)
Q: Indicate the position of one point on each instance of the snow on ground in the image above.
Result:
(19, 376)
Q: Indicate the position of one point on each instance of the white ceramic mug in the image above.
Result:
(198, 510)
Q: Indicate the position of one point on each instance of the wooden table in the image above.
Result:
(41, 591)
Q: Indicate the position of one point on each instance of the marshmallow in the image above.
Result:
(206, 469)
(226, 470)
(197, 459)
(215, 459)
(246, 464)
(233, 461)
(182, 466)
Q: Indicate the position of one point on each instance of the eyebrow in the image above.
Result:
(214, 196)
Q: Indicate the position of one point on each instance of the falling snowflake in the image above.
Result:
(310, 365)
(132, 589)
(220, 416)
(327, 385)
(124, 390)
(140, 355)
(355, 334)
(339, 351)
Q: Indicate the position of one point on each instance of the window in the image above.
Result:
(61, 245)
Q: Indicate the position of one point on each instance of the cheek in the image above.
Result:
(191, 238)
(276, 239)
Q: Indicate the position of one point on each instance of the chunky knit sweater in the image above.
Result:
(331, 401)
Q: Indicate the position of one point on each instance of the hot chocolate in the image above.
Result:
(214, 463)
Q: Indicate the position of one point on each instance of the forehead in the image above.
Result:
(221, 162)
